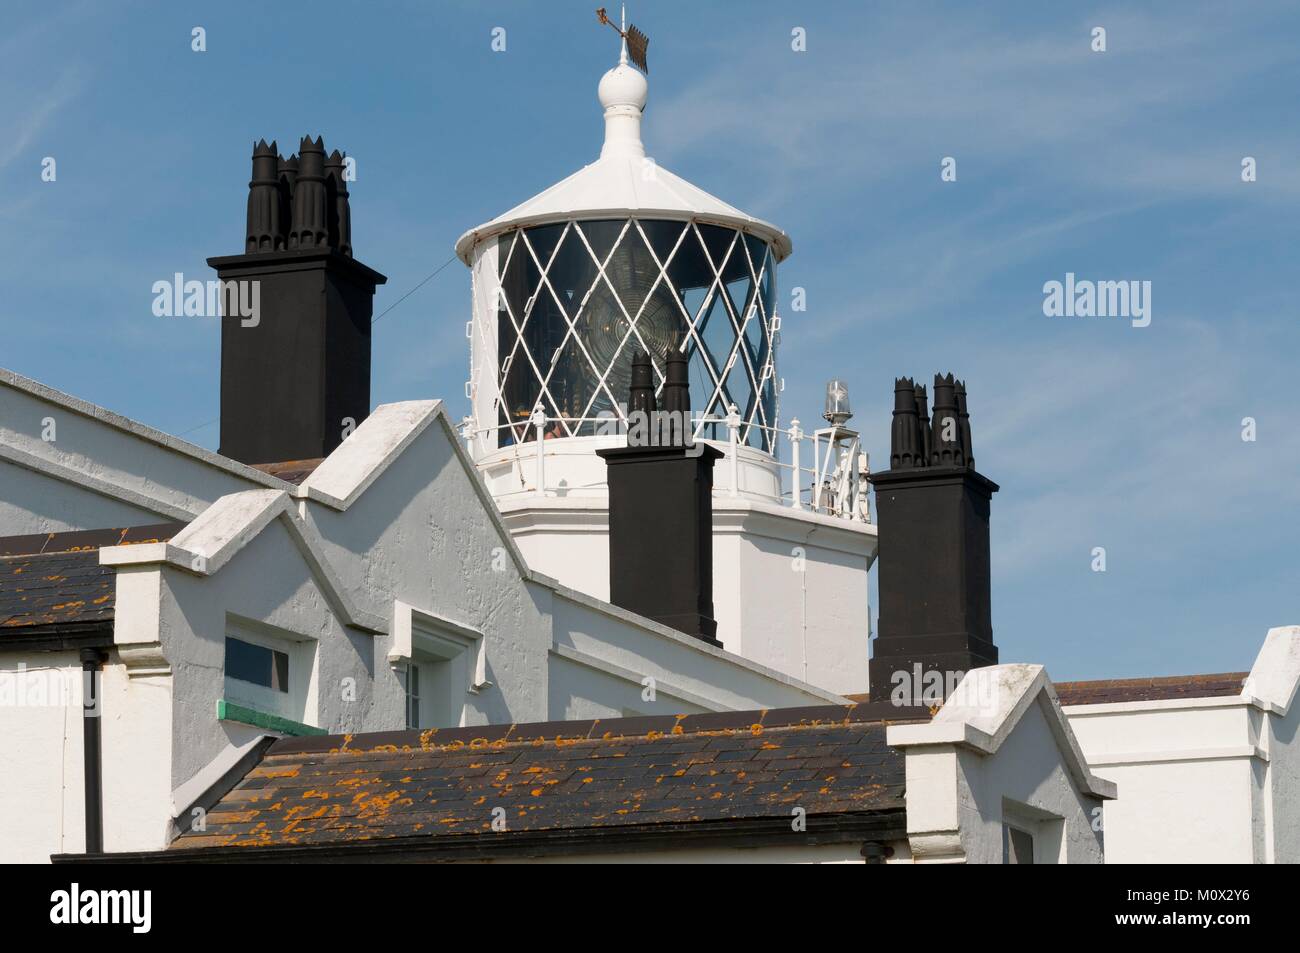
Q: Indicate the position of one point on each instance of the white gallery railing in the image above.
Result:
(835, 485)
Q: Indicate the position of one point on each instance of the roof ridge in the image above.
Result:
(634, 728)
(1150, 679)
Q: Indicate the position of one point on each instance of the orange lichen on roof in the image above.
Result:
(601, 773)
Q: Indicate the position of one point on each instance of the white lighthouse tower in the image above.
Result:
(621, 256)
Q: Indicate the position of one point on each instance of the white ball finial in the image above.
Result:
(623, 86)
(622, 92)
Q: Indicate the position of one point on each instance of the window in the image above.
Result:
(1031, 835)
(270, 670)
(1017, 845)
(257, 664)
(436, 689)
(413, 695)
(441, 666)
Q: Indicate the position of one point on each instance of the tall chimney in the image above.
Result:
(932, 511)
(661, 506)
(295, 358)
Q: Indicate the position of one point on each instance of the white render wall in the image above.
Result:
(1186, 773)
(101, 469)
(1188, 777)
(622, 652)
(1282, 790)
(1204, 780)
(420, 533)
(42, 807)
(1028, 776)
(160, 694)
(35, 502)
(789, 587)
(1000, 751)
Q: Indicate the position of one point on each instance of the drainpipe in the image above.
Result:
(92, 661)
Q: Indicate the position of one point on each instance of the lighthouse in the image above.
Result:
(624, 258)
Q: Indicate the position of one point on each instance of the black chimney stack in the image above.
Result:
(661, 506)
(932, 510)
(295, 352)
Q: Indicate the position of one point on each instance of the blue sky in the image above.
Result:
(1117, 165)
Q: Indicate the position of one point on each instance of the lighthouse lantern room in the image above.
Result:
(568, 287)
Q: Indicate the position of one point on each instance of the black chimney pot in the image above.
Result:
(661, 507)
(296, 376)
(932, 510)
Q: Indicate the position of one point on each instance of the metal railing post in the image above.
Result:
(538, 420)
(467, 434)
(796, 492)
(864, 487)
(733, 432)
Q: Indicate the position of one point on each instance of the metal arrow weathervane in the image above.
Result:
(636, 40)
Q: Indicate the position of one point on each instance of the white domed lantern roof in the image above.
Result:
(623, 181)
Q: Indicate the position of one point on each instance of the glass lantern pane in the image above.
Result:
(664, 237)
(543, 240)
(718, 241)
(648, 300)
(572, 383)
(719, 336)
(601, 236)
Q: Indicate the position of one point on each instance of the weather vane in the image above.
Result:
(636, 40)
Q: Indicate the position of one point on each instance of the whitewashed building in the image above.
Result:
(1208, 764)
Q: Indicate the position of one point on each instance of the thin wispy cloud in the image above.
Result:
(996, 88)
(30, 115)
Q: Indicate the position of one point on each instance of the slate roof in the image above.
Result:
(621, 776)
(1115, 690)
(53, 581)
(55, 588)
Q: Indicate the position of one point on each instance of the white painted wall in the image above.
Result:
(623, 650)
(42, 807)
(160, 726)
(789, 587)
(1204, 780)
(101, 470)
(421, 534)
(1000, 750)
(1186, 773)
(1027, 780)
(1282, 788)
(36, 502)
